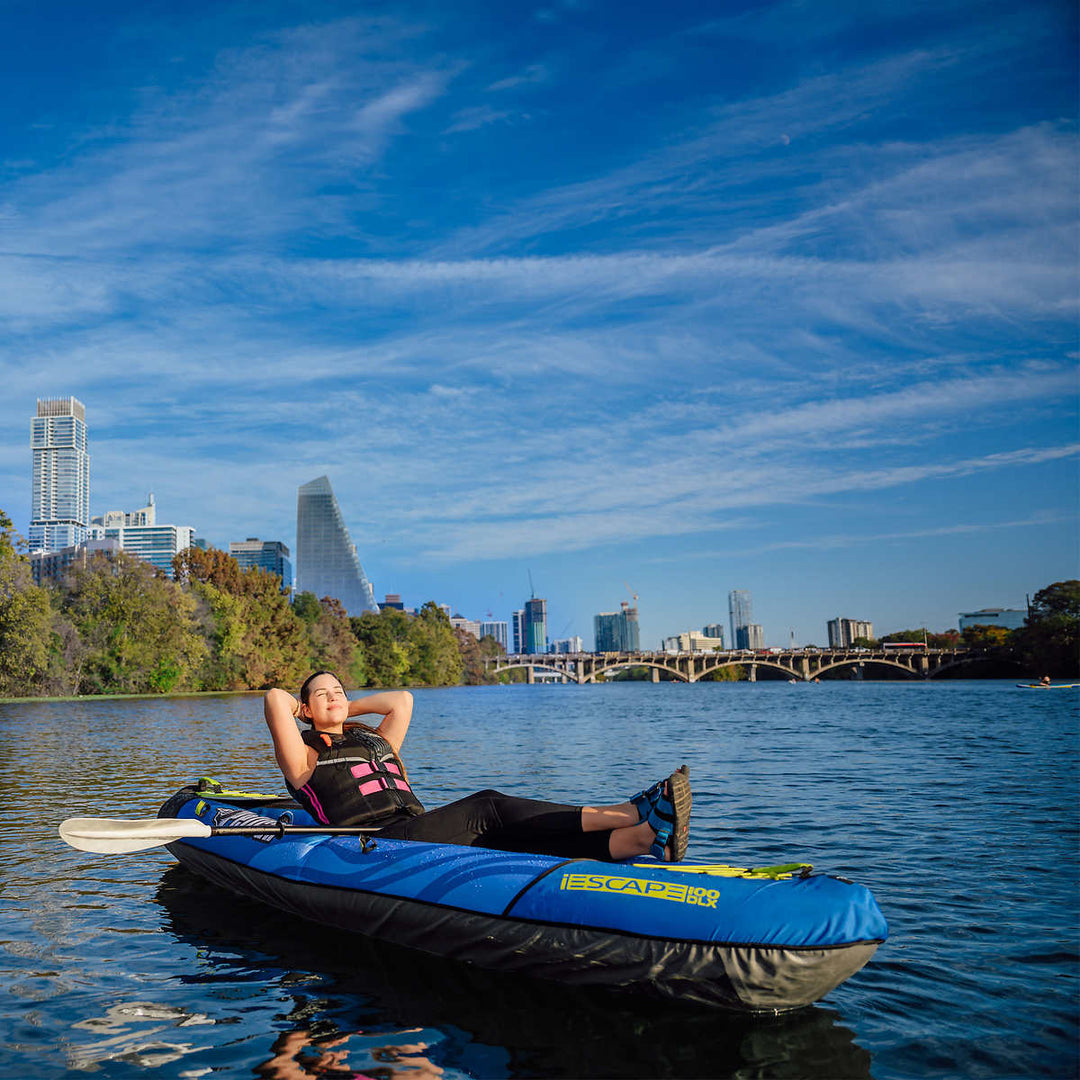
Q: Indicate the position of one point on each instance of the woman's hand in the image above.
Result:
(395, 707)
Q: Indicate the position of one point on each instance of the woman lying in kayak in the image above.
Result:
(350, 774)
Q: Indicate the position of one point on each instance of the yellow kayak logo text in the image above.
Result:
(628, 886)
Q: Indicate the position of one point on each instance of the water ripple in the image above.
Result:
(954, 802)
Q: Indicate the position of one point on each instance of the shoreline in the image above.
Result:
(1010, 679)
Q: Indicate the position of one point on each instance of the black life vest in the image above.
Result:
(358, 780)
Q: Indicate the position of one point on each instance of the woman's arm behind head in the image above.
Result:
(293, 755)
(395, 707)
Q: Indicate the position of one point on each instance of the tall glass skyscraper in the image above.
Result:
(60, 500)
(741, 613)
(535, 626)
(617, 631)
(326, 560)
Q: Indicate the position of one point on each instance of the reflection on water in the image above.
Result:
(548, 1030)
(301, 1053)
(132, 1034)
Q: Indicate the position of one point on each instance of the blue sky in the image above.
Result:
(672, 298)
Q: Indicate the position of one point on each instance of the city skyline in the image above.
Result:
(768, 298)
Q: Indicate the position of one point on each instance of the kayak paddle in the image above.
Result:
(116, 836)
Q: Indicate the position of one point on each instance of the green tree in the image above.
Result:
(1049, 641)
(473, 656)
(67, 657)
(728, 673)
(306, 606)
(387, 647)
(256, 639)
(333, 643)
(947, 639)
(26, 618)
(138, 628)
(982, 636)
(438, 660)
(490, 648)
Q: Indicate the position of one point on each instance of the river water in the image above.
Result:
(956, 803)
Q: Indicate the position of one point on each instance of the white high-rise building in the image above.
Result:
(496, 628)
(140, 535)
(845, 632)
(692, 641)
(60, 500)
(470, 626)
(568, 646)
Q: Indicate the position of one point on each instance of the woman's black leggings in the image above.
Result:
(493, 820)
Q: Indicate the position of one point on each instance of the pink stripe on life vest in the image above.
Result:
(391, 767)
(315, 804)
(371, 787)
(363, 769)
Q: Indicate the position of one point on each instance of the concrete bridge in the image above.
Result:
(800, 665)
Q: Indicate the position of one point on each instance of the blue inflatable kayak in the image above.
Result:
(765, 940)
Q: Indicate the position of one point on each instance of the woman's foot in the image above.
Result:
(645, 800)
(669, 817)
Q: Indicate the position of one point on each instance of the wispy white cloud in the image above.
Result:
(705, 511)
(241, 157)
(835, 541)
(1034, 521)
(531, 75)
(477, 116)
(377, 119)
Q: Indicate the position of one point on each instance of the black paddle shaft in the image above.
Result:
(280, 829)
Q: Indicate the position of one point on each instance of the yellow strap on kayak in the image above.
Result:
(207, 785)
(761, 873)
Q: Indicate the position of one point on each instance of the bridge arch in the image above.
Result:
(674, 672)
(498, 669)
(850, 663)
(747, 662)
(969, 661)
(713, 668)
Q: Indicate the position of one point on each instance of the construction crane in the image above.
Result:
(633, 594)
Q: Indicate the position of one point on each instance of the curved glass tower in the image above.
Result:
(326, 559)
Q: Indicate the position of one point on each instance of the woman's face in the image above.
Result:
(327, 705)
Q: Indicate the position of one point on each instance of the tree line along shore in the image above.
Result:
(119, 626)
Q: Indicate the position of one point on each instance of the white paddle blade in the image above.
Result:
(114, 836)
